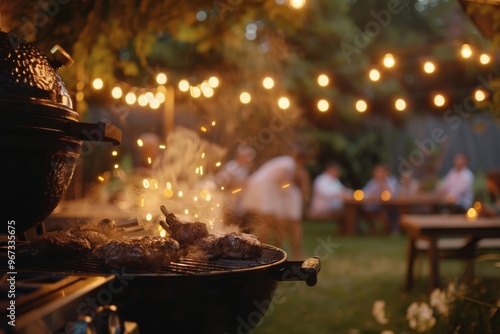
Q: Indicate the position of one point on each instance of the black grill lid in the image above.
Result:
(29, 78)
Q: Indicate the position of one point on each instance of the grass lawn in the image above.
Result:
(355, 272)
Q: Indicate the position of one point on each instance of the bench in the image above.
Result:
(460, 249)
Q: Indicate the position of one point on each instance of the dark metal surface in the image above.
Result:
(89, 265)
(26, 72)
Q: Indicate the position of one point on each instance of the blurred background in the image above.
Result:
(356, 81)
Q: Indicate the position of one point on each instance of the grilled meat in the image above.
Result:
(185, 233)
(140, 253)
(57, 242)
(239, 246)
(94, 238)
(227, 246)
(204, 248)
(105, 226)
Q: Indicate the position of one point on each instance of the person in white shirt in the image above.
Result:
(458, 184)
(273, 197)
(328, 194)
(232, 177)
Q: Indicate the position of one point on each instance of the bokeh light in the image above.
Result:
(97, 83)
(439, 100)
(245, 97)
(323, 105)
(389, 60)
(268, 83)
(283, 103)
(361, 105)
(323, 80)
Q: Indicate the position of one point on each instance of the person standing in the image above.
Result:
(233, 177)
(274, 197)
(458, 184)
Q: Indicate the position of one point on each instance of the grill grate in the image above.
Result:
(89, 265)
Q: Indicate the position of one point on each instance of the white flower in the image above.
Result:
(439, 301)
(378, 312)
(420, 317)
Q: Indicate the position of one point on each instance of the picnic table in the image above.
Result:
(425, 201)
(453, 233)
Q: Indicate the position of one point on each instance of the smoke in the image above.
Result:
(182, 179)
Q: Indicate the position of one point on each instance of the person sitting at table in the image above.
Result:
(408, 186)
(491, 207)
(458, 184)
(381, 185)
(328, 194)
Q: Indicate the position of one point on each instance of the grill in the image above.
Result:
(186, 296)
(69, 264)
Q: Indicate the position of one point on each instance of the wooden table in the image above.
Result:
(434, 227)
(402, 205)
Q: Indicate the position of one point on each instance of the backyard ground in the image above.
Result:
(357, 271)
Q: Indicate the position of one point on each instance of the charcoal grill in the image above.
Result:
(187, 296)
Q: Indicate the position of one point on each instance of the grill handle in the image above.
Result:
(299, 271)
(101, 132)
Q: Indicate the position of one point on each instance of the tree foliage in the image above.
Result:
(130, 41)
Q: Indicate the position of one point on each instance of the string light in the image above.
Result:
(195, 92)
(283, 103)
(466, 51)
(116, 92)
(213, 82)
(245, 97)
(389, 61)
(160, 97)
(484, 59)
(297, 4)
(429, 67)
(323, 105)
(142, 100)
(154, 104)
(361, 106)
(323, 80)
(97, 83)
(479, 95)
(184, 85)
(161, 78)
(374, 75)
(268, 83)
(130, 98)
(439, 100)
(400, 104)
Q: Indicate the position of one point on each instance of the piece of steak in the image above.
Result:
(57, 242)
(233, 245)
(237, 245)
(140, 253)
